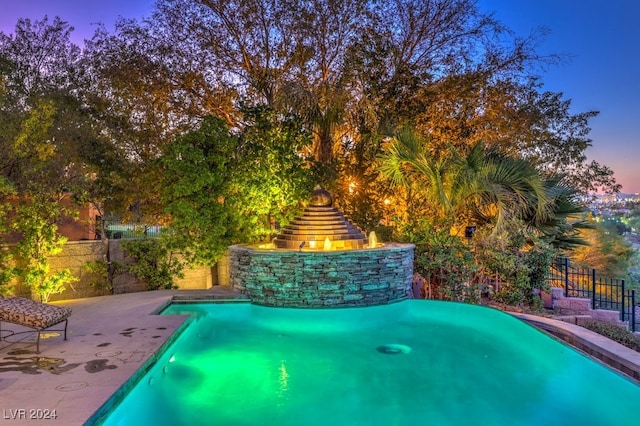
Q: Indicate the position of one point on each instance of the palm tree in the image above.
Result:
(484, 185)
(322, 110)
(561, 226)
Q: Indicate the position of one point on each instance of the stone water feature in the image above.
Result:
(322, 259)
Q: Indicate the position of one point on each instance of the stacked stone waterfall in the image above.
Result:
(319, 222)
(299, 272)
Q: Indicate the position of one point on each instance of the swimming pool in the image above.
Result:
(415, 362)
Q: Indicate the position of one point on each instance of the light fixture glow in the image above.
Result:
(327, 244)
(373, 239)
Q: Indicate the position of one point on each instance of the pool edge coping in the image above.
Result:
(618, 357)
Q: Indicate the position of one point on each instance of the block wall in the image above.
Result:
(76, 254)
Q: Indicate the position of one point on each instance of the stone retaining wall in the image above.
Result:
(577, 310)
(323, 278)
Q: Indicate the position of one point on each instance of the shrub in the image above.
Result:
(53, 284)
(99, 272)
(7, 272)
(154, 263)
(445, 262)
(36, 223)
(517, 259)
(615, 333)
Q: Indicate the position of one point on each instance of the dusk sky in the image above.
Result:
(601, 39)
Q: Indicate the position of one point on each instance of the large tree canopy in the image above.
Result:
(301, 90)
(351, 71)
(40, 120)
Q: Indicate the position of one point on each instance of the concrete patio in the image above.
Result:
(111, 337)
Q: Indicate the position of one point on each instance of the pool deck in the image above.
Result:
(111, 337)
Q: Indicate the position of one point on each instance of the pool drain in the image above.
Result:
(394, 349)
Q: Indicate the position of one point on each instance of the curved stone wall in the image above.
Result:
(323, 278)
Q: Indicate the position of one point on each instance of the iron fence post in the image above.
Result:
(633, 310)
(593, 289)
(622, 311)
(566, 277)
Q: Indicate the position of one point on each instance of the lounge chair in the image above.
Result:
(36, 315)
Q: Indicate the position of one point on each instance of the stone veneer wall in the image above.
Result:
(323, 278)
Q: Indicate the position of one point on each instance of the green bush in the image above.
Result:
(53, 284)
(36, 222)
(154, 263)
(615, 333)
(7, 272)
(99, 273)
(517, 259)
(445, 262)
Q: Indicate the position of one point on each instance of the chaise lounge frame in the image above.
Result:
(31, 314)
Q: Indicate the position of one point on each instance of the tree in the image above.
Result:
(354, 70)
(515, 261)
(446, 70)
(249, 41)
(39, 120)
(522, 218)
(41, 117)
(155, 262)
(549, 135)
(39, 123)
(223, 188)
(7, 271)
(141, 95)
(197, 171)
(41, 58)
(606, 251)
(482, 186)
(35, 221)
(444, 261)
(326, 28)
(112, 122)
(513, 117)
(562, 227)
(412, 52)
(273, 173)
(284, 54)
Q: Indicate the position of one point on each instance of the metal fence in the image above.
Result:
(605, 293)
(114, 229)
(631, 310)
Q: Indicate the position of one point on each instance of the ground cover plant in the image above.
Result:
(615, 333)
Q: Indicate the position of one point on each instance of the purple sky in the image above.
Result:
(81, 14)
(602, 38)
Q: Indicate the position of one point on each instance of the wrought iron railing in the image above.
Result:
(605, 293)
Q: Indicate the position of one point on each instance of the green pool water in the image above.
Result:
(411, 363)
